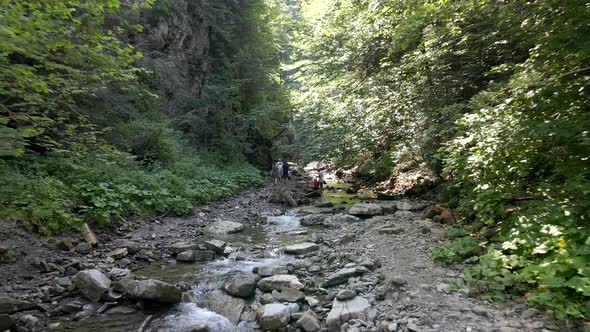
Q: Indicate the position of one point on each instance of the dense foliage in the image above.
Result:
(89, 129)
(493, 95)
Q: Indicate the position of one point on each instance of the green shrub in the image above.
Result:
(454, 232)
(457, 251)
(53, 194)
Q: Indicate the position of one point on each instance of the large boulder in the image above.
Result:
(273, 316)
(301, 248)
(343, 311)
(92, 283)
(6, 323)
(151, 290)
(241, 285)
(365, 210)
(313, 219)
(9, 305)
(279, 282)
(225, 305)
(342, 275)
(224, 227)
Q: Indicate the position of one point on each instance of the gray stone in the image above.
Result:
(345, 294)
(224, 227)
(199, 328)
(191, 256)
(215, 245)
(65, 244)
(9, 305)
(179, 247)
(267, 271)
(365, 210)
(83, 248)
(273, 316)
(29, 320)
(343, 311)
(117, 273)
(64, 281)
(279, 282)
(118, 253)
(443, 288)
(151, 290)
(309, 322)
(342, 218)
(131, 246)
(267, 298)
(241, 285)
(301, 248)
(342, 276)
(92, 283)
(313, 219)
(290, 295)
(225, 305)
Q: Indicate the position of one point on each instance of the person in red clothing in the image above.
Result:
(316, 184)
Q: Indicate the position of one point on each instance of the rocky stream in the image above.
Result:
(339, 263)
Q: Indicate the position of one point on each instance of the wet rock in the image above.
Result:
(241, 285)
(345, 294)
(391, 230)
(365, 210)
(342, 276)
(199, 328)
(151, 290)
(65, 244)
(273, 316)
(225, 305)
(6, 323)
(83, 248)
(279, 282)
(9, 305)
(343, 311)
(121, 310)
(92, 283)
(309, 322)
(290, 295)
(216, 246)
(179, 247)
(118, 253)
(313, 219)
(224, 227)
(191, 256)
(301, 248)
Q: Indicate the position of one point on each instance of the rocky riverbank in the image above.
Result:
(339, 268)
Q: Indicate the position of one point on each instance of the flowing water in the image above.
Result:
(264, 249)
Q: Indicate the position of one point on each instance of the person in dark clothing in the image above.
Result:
(285, 170)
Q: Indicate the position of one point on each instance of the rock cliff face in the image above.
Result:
(175, 44)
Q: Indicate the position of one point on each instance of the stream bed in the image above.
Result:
(256, 247)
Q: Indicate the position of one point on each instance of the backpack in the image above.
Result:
(316, 184)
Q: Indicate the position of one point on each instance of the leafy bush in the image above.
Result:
(457, 251)
(454, 232)
(54, 194)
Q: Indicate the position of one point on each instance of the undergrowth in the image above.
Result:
(54, 194)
